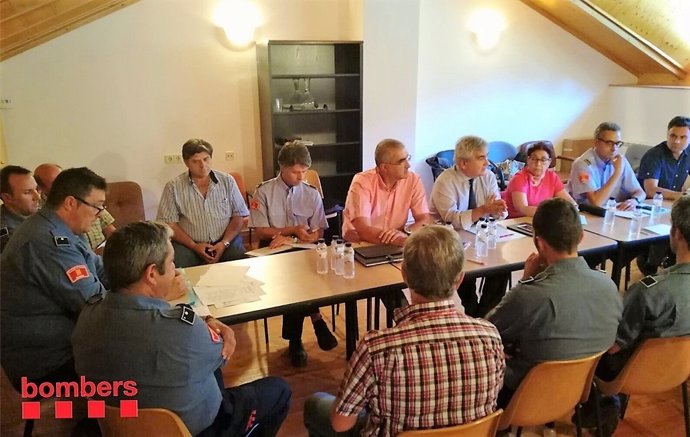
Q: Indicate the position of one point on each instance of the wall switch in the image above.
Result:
(229, 155)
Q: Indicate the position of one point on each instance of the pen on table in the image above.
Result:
(506, 236)
(476, 261)
(647, 207)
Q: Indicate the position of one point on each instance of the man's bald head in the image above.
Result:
(45, 174)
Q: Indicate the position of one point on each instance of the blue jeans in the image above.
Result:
(317, 417)
(186, 257)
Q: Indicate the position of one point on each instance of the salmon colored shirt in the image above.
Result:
(387, 209)
(547, 189)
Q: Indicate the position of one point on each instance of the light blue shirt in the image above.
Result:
(589, 173)
(276, 205)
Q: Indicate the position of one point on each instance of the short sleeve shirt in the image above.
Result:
(276, 205)
(589, 173)
(547, 189)
(95, 234)
(204, 219)
(660, 164)
(387, 209)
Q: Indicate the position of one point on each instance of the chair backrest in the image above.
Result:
(524, 147)
(657, 365)
(125, 202)
(239, 180)
(634, 152)
(313, 179)
(441, 161)
(150, 422)
(484, 427)
(549, 391)
(500, 151)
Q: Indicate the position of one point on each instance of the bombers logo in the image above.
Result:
(82, 389)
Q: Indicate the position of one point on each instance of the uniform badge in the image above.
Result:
(61, 241)
(526, 281)
(4, 231)
(648, 281)
(583, 177)
(254, 204)
(215, 337)
(77, 272)
(188, 315)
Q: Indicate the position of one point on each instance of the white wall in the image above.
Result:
(119, 93)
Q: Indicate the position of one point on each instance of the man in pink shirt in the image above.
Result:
(380, 199)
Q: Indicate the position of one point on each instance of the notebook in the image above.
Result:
(378, 254)
(523, 228)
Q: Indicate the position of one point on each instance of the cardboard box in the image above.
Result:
(572, 149)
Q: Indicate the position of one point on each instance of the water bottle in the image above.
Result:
(481, 246)
(657, 202)
(493, 233)
(322, 257)
(349, 261)
(636, 222)
(610, 211)
(332, 251)
(339, 253)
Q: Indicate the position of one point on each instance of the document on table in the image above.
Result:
(502, 233)
(270, 251)
(228, 285)
(660, 229)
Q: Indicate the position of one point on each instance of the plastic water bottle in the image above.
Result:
(349, 261)
(657, 202)
(322, 257)
(481, 246)
(493, 233)
(339, 254)
(636, 222)
(331, 251)
(610, 211)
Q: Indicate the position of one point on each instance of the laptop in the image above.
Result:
(378, 254)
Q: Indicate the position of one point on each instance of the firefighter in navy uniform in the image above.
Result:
(173, 355)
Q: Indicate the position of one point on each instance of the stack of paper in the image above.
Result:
(227, 286)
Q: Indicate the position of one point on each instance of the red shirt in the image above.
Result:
(547, 189)
(436, 368)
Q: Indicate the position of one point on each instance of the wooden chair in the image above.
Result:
(549, 391)
(657, 365)
(484, 427)
(150, 422)
(246, 230)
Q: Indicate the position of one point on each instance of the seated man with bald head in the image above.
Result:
(380, 199)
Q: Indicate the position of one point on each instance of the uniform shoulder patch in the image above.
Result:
(61, 241)
(187, 315)
(587, 161)
(4, 231)
(77, 273)
(583, 177)
(254, 204)
(527, 280)
(215, 337)
(649, 281)
(309, 185)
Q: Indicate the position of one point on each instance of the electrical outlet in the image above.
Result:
(172, 159)
(6, 103)
(229, 155)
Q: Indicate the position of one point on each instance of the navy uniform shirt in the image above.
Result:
(47, 274)
(142, 339)
(658, 163)
(589, 173)
(275, 205)
(662, 310)
(566, 312)
(9, 221)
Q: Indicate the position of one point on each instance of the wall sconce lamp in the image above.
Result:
(486, 26)
(239, 20)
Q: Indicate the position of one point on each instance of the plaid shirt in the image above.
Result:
(95, 234)
(435, 368)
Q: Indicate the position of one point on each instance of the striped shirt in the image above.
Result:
(435, 368)
(204, 219)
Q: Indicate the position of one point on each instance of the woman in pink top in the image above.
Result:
(534, 183)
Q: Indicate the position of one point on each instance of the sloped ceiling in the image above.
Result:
(649, 38)
(27, 23)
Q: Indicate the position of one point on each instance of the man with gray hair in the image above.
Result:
(447, 367)
(461, 196)
(204, 208)
(173, 356)
(602, 172)
(380, 200)
(287, 210)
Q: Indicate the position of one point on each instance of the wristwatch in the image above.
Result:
(226, 243)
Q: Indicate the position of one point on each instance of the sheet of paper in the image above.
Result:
(222, 275)
(501, 231)
(660, 229)
(583, 220)
(228, 295)
(268, 251)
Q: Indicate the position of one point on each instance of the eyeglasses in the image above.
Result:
(540, 161)
(611, 143)
(402, 161)
(99, 209)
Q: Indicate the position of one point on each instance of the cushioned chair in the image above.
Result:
(246, 230)
(441, 161)
(484, 427)
(634, 153)
(150, 422)
(524, 147)
(657, 365)
(549, 391)
(332, 208)
(500, 151)
(125, 202)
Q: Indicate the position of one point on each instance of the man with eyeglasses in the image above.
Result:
(47, 273)
(601, 172)
(101, 229)
(380, 199)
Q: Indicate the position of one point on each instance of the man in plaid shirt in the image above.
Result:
(436, 368)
